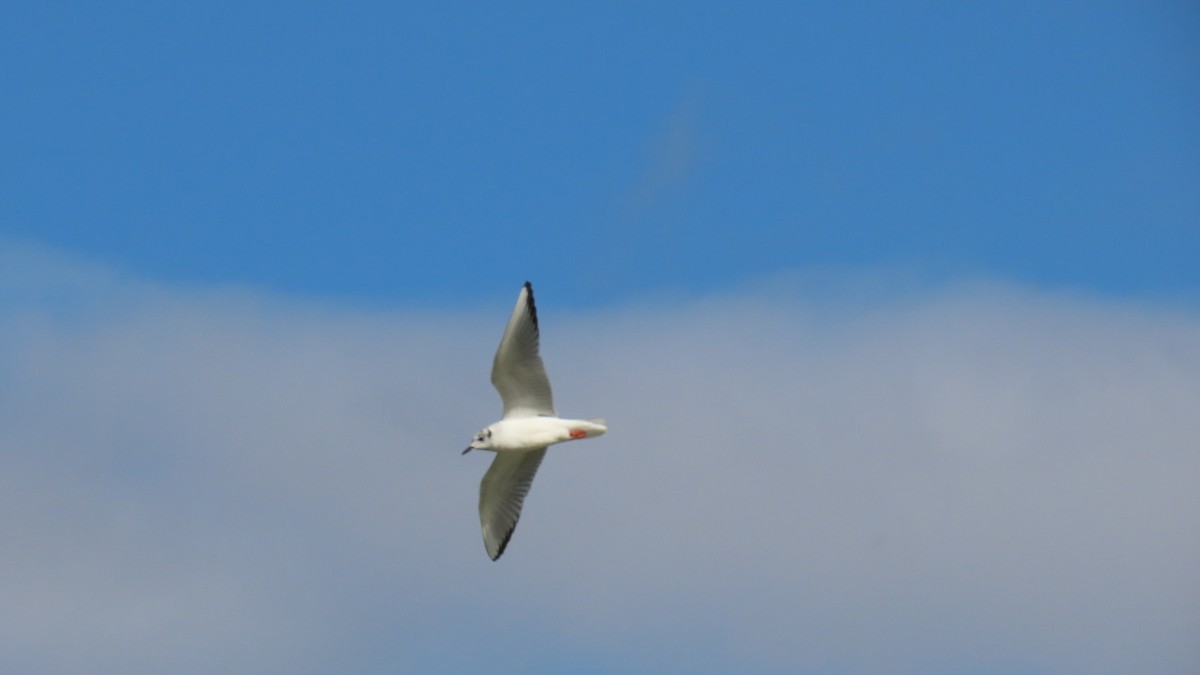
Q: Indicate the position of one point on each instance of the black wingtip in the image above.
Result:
(504, 544)
(530, 304)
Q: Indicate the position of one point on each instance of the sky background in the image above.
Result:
(894, 311)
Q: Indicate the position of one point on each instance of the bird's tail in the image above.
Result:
(602, 424)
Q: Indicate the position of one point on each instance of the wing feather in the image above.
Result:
(502, 493)
(517, 370)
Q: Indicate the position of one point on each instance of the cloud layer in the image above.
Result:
(982, 478)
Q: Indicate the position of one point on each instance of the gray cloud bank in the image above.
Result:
(980, 479)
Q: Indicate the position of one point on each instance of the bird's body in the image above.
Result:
(528, 427)
(520, 434)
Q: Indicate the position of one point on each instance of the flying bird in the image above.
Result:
(528, 427)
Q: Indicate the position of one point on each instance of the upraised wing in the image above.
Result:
(517, 370)
(502, 493)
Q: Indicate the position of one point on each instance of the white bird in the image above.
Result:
(529, 425)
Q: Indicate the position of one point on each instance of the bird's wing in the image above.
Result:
(517, 370)
(502, 493)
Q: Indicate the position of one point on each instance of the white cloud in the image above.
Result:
(987, 478)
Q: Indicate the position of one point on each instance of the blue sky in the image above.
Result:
(414, 154)
(894, 312)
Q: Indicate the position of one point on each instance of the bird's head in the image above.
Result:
(482, 441)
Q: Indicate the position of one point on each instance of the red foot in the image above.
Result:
(578, 433)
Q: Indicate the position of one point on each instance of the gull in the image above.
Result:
(528, 427)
